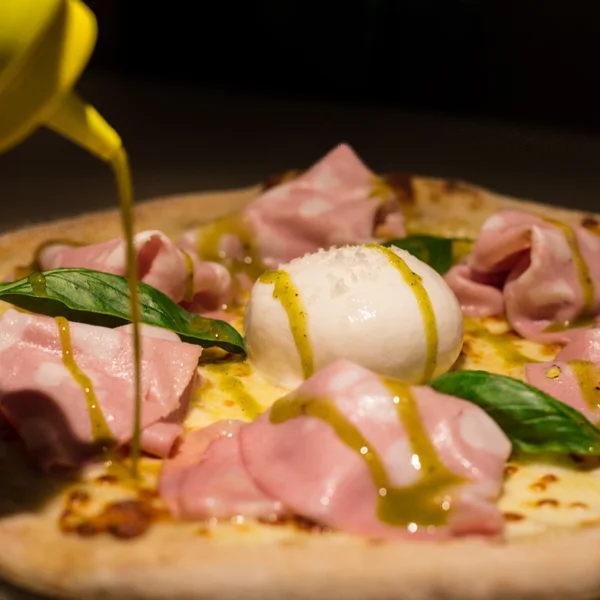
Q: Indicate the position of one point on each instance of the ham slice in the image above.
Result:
(42, 400)
(338, 201)
(574, 377)
(206, 478)
(161, 264)
(306, 467)
(313, 470)
(544, 275)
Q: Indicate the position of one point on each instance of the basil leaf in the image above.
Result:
(534, 421)
(100, 298)
(440, 253)
(435, 251)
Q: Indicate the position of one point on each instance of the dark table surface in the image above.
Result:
(183, 139)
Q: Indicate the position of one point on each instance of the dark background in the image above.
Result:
(518, 59)
(220, 94)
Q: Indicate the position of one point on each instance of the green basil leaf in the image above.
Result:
(439, 253)
(435, 251)
(100, 298)
(534, 421)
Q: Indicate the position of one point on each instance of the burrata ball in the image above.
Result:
(379, 307)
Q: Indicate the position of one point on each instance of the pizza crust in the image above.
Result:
(176, 562)
(165, 564)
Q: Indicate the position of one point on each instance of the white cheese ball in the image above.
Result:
(359, 307)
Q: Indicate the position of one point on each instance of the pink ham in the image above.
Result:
(524, 266)
(305, 464)
(559, 379)
(334, 202)
(206, 478)
(161, 264)
(585, 345)
(48, 408)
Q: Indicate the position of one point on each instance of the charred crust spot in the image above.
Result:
(310, 526)
(585, 462)
(124, 520)
(538, 486)
(510, 470)
(550, 478)
(86, 529)
(591, 224)
(401, 184)
(78, 497)
(279, 178)
(455, 186)
(107, 479)
(550, 502)
(513, 516)
(578, 505)
(297, 522)
(127, 519)
(147, 494)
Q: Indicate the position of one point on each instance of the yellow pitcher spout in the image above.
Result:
(44, 47)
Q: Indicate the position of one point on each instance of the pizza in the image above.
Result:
(354, 385)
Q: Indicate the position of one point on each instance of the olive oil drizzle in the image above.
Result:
(425, 503)
(101, 433)
(588, 378)
(38, 284)
(120, 166)
(503, 347)
(585, 317)
(422, 297)
(231, 385)
(209, 237)
(34, 265)
(241, 396)
(286, 292)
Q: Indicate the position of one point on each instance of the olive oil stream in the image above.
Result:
(122, 173)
